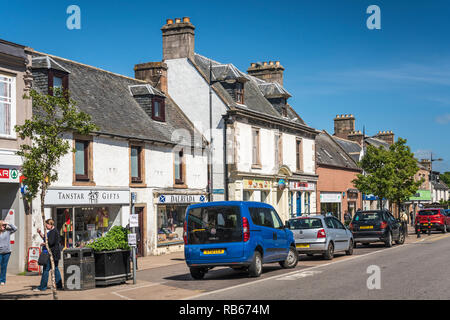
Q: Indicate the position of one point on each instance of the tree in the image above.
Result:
(53, 115)
(445, 177)
(389, 173)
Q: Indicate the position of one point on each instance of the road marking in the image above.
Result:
(296, 272)
(300, 275)
(135, 288)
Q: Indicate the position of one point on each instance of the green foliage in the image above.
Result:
(43, 135)
(389, 174)
(445, 177)
(116, 238)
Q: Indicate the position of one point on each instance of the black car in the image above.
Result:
(376, 226)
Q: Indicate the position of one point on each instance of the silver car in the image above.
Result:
(317, 234)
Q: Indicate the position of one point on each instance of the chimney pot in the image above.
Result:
(169, 21)
(277, 63)
(186, 19)
(177, 20)
(271, 63)
(265, 63)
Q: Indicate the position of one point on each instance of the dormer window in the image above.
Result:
(57, 79)
(284, 110)
(239, 92)
(158, 109)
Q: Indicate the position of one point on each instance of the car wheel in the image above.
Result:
(329, 254)
(349, 252)
(198, 273)
(388, 242)
(291, 260)
(255, 269)
(401, 238)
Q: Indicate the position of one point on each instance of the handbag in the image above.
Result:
(43, 258)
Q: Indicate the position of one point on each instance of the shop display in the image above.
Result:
(170, 223)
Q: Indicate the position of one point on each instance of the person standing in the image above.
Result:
(5, 248)
(54, 244)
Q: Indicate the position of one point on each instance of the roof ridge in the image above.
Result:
(88, 66)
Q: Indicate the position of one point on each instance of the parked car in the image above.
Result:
(376, 226)
(321, 235)
(241, 235)
(433, 218)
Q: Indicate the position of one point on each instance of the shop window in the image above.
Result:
(170, 222)
(85, 224)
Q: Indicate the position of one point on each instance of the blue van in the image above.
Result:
(238, 234)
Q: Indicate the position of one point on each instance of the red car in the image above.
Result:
(435, 219)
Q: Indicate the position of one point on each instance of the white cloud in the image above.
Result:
(443, 119)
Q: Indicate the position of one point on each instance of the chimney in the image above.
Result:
(344, 124)
(356, 136)
(268, 71)
(178, 39)
(387, 136)
(154, 73)
(426, 163)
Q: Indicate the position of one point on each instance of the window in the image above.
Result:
(261, 217)
(179, 171)
(298, 155)
(57, 79)
(277, 224)
(278, 150)
(158, 109)
(81, 160)
(136, 164)
(7, 105)
(256, 147)
(239, 92)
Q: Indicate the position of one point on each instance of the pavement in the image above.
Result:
(19, 287)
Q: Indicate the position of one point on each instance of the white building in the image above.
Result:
(269, 154)
(136, 149)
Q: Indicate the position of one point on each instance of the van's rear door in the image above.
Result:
(215, 233)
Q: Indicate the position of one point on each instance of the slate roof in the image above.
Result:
(376, 142)
(254, 98)
(351, 147)
(329, 152)
(108, 98)
(439, 185)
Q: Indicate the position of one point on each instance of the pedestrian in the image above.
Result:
(6, 229)
(404, 222)
(54, 244)
(411, 215)
(347, 217)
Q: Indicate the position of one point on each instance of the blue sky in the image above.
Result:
(396, 78)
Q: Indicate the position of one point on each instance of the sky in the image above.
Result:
(393, 78)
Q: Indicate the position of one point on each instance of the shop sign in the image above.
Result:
(302, 186)
(181, 198)
(86, 197)
(33, 257)
(256, 184)
(421, 195)
(9, 175)
(331, 197)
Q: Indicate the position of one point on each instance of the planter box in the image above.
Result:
(112, 267)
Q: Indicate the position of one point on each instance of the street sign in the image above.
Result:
(132, 239)
(33, 256)
(133, 197)
(134, 220)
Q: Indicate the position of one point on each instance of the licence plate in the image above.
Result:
(425, 224)
(366, 227)
(214, 251)
(302, 245)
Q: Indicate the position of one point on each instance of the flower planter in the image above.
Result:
(112, 267)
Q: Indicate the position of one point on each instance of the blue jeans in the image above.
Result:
(4, 258)
(45, 274)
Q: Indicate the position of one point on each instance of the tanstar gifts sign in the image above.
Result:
(86, 197)
(9, 175)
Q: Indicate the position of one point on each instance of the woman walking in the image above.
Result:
(53, 243)
(5, 248)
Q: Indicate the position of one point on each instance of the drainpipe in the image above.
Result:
(225, 156)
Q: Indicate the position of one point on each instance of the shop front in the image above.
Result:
(82, 215)
(301, 198)
(331, 203)
(352, 200)
(257, 190)
(418, 201)
(170, 216)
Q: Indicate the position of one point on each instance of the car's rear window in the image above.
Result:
(367, 216)
(305, 223)
(214, 225)
(428, 212)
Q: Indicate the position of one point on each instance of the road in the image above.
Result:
(417, 270)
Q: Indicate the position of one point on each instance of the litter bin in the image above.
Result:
(79, 269)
